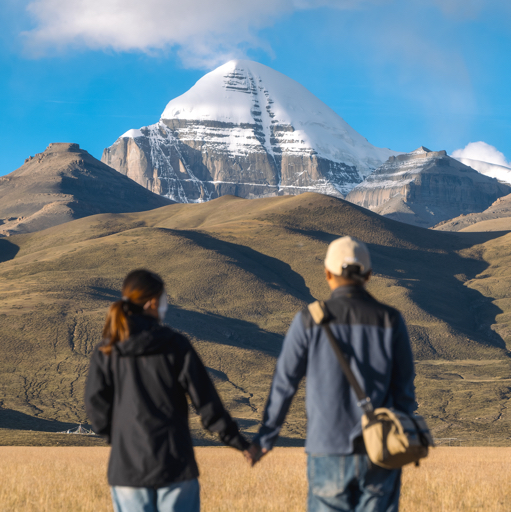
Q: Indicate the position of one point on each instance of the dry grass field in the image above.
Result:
(61, 479)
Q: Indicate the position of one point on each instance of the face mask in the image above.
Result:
(162, 306)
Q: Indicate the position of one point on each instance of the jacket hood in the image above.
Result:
(148, 336)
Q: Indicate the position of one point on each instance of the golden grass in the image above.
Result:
(47, 479)
(61, 479)
(459, 480)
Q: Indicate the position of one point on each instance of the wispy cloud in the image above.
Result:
(205, 33)
(483, 152)
(397, 40)
(463, 8)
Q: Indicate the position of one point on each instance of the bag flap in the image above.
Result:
(406, 422)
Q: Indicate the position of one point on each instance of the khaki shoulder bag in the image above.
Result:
(392, 438)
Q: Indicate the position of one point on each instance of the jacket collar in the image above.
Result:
(147, 336)
(349, 291)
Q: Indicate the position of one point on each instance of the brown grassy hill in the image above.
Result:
(66, 183)
(237, 271)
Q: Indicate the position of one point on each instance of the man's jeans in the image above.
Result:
(351, 483)
(180, 497)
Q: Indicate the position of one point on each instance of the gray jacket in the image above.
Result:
(374, 338)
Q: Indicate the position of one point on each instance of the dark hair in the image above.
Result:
(353, 272)
(138, 287)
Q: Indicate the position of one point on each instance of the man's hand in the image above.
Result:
(254, 454)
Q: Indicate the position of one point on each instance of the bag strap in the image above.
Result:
(321, 317)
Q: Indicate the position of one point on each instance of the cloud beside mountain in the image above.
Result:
(483, 152)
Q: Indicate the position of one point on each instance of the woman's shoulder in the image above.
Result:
(177, 337)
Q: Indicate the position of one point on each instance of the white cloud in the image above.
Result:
(482, 152)
(204, 32)
(463, 8)
(471, 9)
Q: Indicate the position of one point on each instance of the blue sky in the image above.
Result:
(403, 73)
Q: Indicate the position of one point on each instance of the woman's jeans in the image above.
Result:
(351, 483)
(180, 497)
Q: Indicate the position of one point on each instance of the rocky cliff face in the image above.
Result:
(495, 218)
(426, 187)
(64, 183)
(247, 130)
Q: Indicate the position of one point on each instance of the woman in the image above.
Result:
(135, 397)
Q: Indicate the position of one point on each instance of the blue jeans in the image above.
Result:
(351, 483)
(180, 497)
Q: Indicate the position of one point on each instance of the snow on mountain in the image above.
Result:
(133, 134)
(499, 172)
(248, 130)
(245, 92)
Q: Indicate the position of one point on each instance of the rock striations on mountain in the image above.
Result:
(426, 187)
(66, 183)
(247, 130)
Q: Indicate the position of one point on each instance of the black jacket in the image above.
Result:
(136, 399)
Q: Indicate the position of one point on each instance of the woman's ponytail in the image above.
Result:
(139, 287)
(116, 326)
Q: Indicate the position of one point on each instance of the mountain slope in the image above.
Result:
(66, 183)
(237, 271)
(248, 130)
(426, 187)
(495, 218)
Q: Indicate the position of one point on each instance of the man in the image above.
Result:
(373, 337)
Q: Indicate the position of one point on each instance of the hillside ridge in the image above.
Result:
(64, 183)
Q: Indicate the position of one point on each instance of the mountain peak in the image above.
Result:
(244, 92)
(64, 183)
(419, 154)
(425, 187)
(248, 130)
(63, 147)
(420, 150)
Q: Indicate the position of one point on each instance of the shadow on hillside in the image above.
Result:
(103, 293)
(426, 238)
(290, 442)
(202, 438)
(269, 270)
(282, 441)
(223, 330)
(16, 420)
(430, 278)
(455, 240)
(8, 250)
(209, 326)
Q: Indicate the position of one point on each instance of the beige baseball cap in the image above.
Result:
(347, 251)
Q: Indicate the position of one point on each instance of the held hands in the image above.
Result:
(254, 453)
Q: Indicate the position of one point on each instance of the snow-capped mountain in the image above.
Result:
(500, 172)
(426, 187)
(248, 130)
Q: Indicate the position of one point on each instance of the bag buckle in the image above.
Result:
(366, 405)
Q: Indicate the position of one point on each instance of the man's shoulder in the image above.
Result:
(305, 318)
(364, 309)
